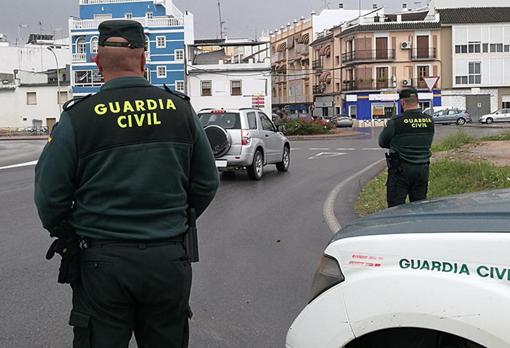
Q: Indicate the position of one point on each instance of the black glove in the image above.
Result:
(69, 250)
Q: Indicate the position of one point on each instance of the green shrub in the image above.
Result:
(307, 127)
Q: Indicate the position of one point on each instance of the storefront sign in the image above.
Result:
(383, 97)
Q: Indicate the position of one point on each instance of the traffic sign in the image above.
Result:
(431, 82)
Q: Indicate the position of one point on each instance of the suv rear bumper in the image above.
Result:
(237, 161)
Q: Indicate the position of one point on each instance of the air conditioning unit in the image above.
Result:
(406, 83)
(405, 46)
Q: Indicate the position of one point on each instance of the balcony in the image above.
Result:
(303, 50)
(368, 56)
(79, 57)
(424, 54)
(319, 89)
(317, 64)
(355, 85)
(146, 22)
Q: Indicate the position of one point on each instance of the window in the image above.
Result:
(507, 48)
(496, 48)
(179, 86)
(252, 120)
(161, 41)
(461, 48)
(62, 97)
(161, 72)
(128, 15)
(206, 87)
(461, 80)
(81, 46)
(31, 98)
(149, 15)
(267, 125)
(485, 48)
(506, 105)
(179, 55)
(94, 45)
(475, 74)
(474, 47)
(235, 88)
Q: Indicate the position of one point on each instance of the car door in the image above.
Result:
(439, 116)
(272, 142)
(506, 115)
(452, 115)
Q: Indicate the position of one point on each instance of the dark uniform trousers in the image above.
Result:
(133, 287)
(407, 179)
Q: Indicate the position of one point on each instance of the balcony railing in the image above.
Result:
(319, 89)
(424, 53)
(368, 56)
(79, 57)
(317, 64)
(370, 84)
(146, 22)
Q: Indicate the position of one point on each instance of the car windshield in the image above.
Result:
(227, 120)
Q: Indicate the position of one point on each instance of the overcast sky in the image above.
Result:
(244, 18)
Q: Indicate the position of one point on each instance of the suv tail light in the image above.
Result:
(245, 137)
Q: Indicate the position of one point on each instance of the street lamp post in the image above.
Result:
(50, 48)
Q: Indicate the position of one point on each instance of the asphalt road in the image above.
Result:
(260, 245)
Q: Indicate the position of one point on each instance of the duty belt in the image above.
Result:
(141, 244)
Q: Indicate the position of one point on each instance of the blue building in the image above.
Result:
(167, 31)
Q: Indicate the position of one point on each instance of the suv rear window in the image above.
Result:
(227, 120)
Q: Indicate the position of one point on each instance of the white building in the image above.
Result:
(229, 74)
(34, 56)
(31, 99)
(476, 69)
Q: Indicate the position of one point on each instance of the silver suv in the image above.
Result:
(245, 139)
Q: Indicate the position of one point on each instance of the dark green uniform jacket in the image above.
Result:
(125, 163)
(410, 135)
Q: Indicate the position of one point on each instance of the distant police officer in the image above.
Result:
(119, 175)
(408, 137)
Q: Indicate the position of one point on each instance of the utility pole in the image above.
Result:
(221, 19)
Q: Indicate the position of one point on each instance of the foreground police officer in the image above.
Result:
(121, 170)
(408, 137)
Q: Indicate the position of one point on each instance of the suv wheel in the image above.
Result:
(256, 170)
(489, 120)
(283, 166)
(461, 121)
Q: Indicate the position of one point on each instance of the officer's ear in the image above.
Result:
(98, 63)
(142, 68)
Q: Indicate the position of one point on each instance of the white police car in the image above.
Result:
(432, 274)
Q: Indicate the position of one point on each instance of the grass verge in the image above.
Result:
(453, 141)
(499, 137)
(446, 178)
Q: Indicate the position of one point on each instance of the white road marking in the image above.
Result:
(26, 164)
(328, 210)
(346, 149)
(372, 149)
(295, 149)
(326, 155)
(319, 149)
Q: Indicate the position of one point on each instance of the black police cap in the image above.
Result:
(130, 30)
(408, 93)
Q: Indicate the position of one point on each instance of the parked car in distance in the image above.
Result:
(429, 111)
(431, 274)
(502, 115)
(245, 139)
(452, 116)
(344, 121)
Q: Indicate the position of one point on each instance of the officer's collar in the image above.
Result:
(121, 82)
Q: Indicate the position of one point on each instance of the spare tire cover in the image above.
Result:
(219, 139)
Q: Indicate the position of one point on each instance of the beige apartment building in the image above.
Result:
(383, 54)
(291, 67)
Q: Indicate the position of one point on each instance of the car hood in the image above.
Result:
(487, 211)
